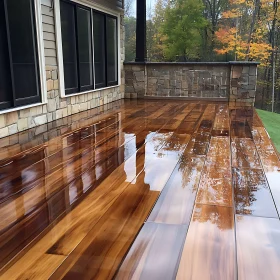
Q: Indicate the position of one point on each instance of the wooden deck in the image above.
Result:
(143, 190)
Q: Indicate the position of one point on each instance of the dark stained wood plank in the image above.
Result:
(258, 248)
(252, 194)
(245, 154)
(65, 236)
(101, 251)
(209, 251)
(123, 219)
(155, 253)
(175, 204)
(240, 129)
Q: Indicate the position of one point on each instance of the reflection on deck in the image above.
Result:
(144, 190)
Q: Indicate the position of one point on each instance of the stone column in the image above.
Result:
(243, 84)
(135, 80)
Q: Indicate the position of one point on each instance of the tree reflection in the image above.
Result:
(222, 217)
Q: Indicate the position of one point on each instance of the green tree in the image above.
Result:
(182, 29)
(130, 38)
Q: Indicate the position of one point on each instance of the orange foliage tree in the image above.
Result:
(243, 30)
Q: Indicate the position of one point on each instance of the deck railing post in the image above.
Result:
(141, 49)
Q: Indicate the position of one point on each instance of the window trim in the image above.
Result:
(97, 8)
(41, 62)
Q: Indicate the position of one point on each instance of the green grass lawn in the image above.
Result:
(271, 122)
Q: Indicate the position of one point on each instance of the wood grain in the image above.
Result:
(209, 251)
(252, 194)
(141, 171)
(155, 253)
(258, 248)
(175, 204)
(244, 154)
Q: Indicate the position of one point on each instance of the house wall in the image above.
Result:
(234, 81)
(55, 107)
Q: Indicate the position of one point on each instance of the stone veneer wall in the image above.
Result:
(233, 81)
(57, 107)
(243, 85)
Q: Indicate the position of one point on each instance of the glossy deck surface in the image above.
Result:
(142, 190)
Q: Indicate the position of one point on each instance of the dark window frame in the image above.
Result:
(14, 101)
(79, 88)
(107, 83)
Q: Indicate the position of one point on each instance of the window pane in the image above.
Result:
(6, 95)
(112, 64)
(84, 47)
(99, 49)
(68, 31)
(23, 48)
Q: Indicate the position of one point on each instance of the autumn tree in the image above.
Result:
(243, 31)
(213, 12)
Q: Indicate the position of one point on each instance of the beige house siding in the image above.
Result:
(57, 107)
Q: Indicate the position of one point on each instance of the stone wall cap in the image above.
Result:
(193, 63)
(174, 63)
(244, 62)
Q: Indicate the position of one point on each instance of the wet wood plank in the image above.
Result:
(215, 187)
(175, 204)
(270, 162)
(101, 251)
(209, 250)
(155, 253)
(258, 248)
(245, 154)
(252, 194)
(71, 234)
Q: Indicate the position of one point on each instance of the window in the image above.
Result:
(19, 69)
(89, 45)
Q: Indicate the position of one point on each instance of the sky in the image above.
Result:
(150, 4)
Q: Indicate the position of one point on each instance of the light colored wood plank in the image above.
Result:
(258, 248)
(155, 253)
(209, 251)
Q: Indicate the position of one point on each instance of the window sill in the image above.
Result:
(21, 108)
(88, 91)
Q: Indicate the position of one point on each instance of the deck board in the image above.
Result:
(106, 192)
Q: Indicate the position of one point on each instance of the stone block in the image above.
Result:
(253, 70)
(73, 100)
(64, 112)
(40, 120)
(48, 75)
(49, 117)
(81, 98)
(34, 111)
(127, 95)
(50, 85)
(45, 109)
(63, 104)
(236, 71)
(24, 113)
(129, 89)
(253, 80)
(54, 75)
(245, 69)
(55, 84)
(139, 76)
(2, 121)
(22, 124)
(4, 132)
